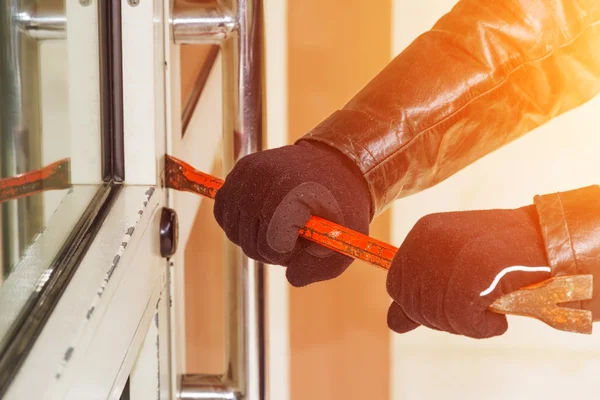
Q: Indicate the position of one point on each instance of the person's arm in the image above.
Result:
(487, 73)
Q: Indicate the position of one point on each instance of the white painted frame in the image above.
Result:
(83, 59)
(89, 344)
(101, 332)
(70, 80)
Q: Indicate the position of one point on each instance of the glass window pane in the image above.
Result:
(50, 155)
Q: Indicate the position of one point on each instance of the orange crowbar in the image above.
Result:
(540, 301)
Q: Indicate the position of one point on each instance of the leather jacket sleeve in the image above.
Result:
(570, 223)
(487, 73)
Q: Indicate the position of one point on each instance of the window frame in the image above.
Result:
(116, 278)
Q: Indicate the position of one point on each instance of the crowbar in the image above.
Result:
(540, 301)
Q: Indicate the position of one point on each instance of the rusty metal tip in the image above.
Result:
(567, 289)
(572, 320)
(543, 300)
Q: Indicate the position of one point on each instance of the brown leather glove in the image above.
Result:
(269, 195)
(443, 276)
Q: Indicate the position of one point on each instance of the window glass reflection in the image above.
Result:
(49, 128)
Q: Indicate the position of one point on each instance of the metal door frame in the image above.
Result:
(237, 27)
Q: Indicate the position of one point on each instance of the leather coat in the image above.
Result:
(488, 72)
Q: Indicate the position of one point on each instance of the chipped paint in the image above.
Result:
(69, 353)
(158, 364)
(114, 265)
(65, 360)
(127, 235)
(156, 322)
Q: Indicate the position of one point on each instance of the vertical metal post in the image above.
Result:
(242, 124)
(237, 25)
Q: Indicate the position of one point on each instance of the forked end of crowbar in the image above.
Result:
(542, 301)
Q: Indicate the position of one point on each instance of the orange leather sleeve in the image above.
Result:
(487, 73)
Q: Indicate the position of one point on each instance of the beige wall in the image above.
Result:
(338, 334)
(203, 256)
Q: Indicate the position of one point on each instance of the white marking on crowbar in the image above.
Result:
(512, 269)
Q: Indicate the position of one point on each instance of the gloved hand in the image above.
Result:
(452, 266)
(269, 195)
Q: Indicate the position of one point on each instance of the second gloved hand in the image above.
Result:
(452, 266)
(269, 195)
